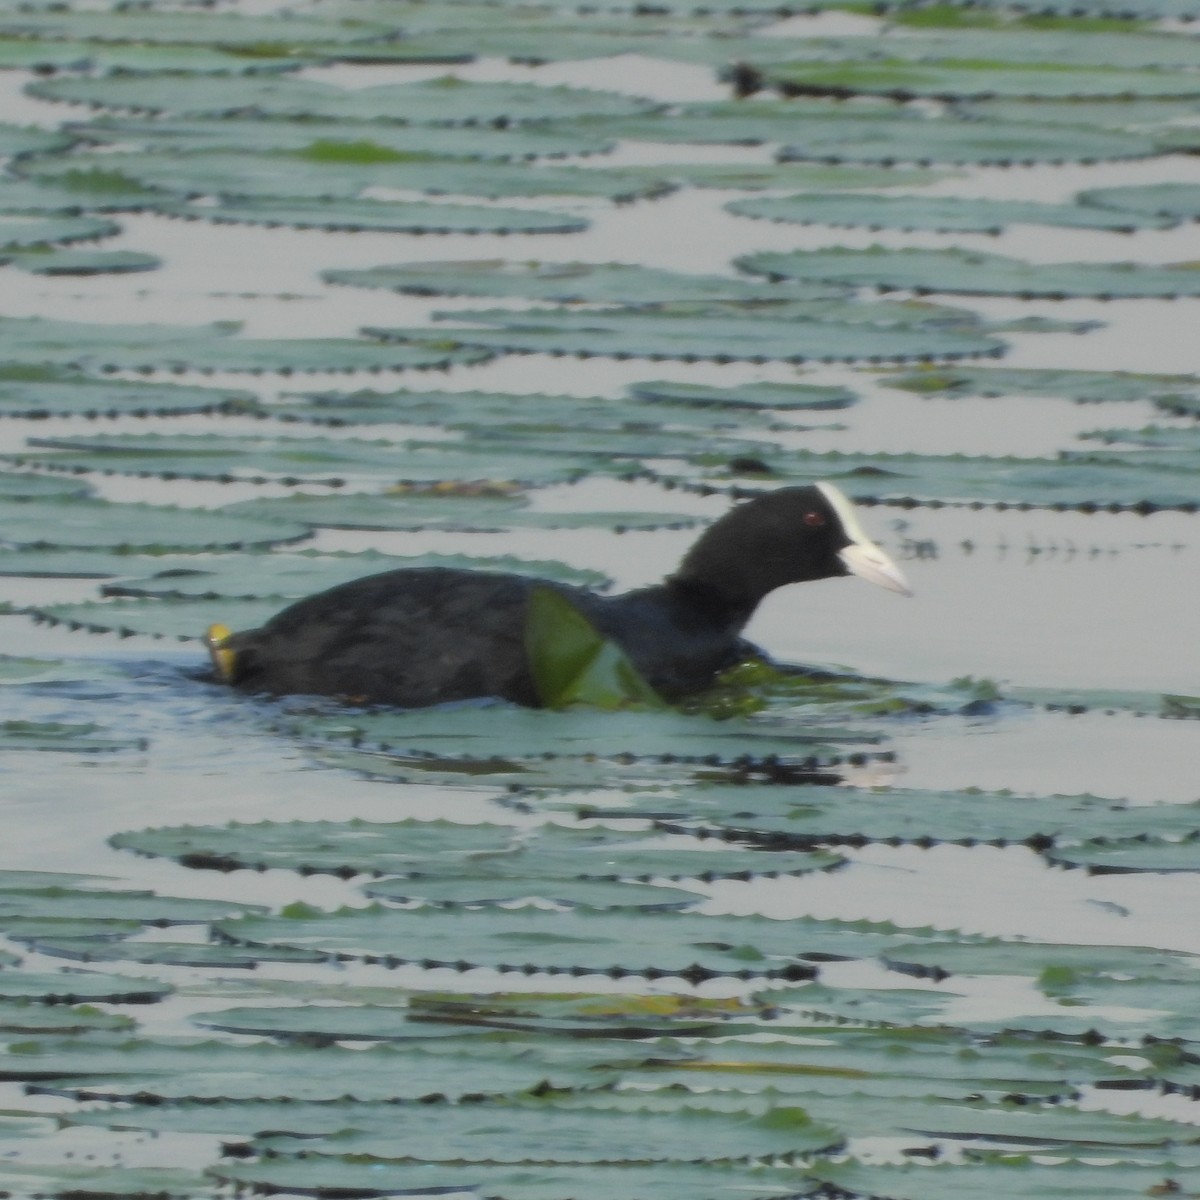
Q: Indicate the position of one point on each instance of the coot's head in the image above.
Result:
(787, 536)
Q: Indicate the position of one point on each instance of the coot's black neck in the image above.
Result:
(707, 604)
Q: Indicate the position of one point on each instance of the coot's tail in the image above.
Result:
(224, 657)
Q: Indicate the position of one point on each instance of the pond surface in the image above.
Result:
(922, 910)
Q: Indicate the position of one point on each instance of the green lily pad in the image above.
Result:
(1120, 856)
(79, 987)
(316, 175)
(256, 36)
(339, 848)
(63, 394)
(522, 415)
(1167, 201)
(1175, 393)
(29, 232)
(37, 342)
(71, 523)
(379, 216)
(438, 1060)
(477, 509)
(497, 1133)
(573, 664)
(28, 1018)
(959, 80)
(875, 139)
(345, 1175)
(19, 486)
(620, 943)
(788, 397)
(65, 738)
(973, 274)
(567, 891)
(349, 143)
(95, 1182)
(295, 461)
(566, 282)
(999, 1179)
(943, 214)
(16, 142)
(88, 262)
(172, 954)
(728, 335)
(445, 101)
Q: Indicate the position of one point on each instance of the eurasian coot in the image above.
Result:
(422, 636)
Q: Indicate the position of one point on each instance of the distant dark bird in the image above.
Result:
(422, 636)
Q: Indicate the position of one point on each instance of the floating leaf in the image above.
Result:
(27, 232)
(573, 664)
(79, 987)
(1171, 392)
(340, 848)
(62, 394)
(567, 282)
(437, 1061)
(29, 1018)
(349, 144)
(445, 101)
(974, 274)
(379, 216)
(958, 80)
(346, 1175)
(788, 397)
(23, 486)
(495, 1133)
(88, 262)
(67, 738)
(89, 524)
(943, 214)
(616, 942)
(725, 336)
(297, 177)
(1165, 201)
(478, 507)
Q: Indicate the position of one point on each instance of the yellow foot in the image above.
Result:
(224, 659)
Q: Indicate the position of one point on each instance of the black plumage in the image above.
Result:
(423, 636)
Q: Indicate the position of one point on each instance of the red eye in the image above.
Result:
(814, 519)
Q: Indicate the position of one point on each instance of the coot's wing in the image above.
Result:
(407, 637)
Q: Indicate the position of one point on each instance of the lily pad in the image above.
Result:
(379, 216)
(345, 1175)
(65, 738)
(64, 394)
(787, 397)
(87, 262)
(728, 335)
(567, 282)
(29, 232)
(317, 175)
(942, 214)
(445, 101)
(79, 987)
(72, 523)
(314, 460)
(620, 943)
(1167, 201)
(1175, 393)
(339, 848)
(970, 273)
(93, 1182)
(437, 1061)
(350, 143)
(978, 79)
(475, 508)
(19, 485)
